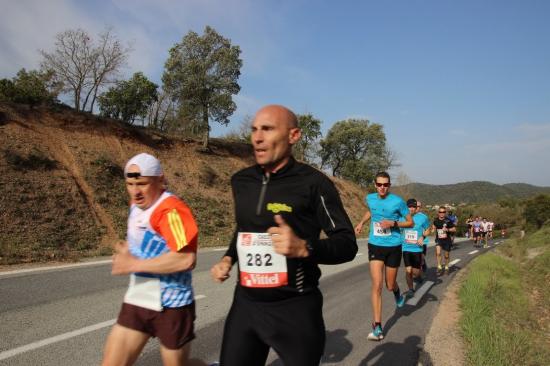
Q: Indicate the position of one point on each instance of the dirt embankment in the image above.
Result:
(62, 192)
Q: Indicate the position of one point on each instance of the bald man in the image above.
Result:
(281, 206)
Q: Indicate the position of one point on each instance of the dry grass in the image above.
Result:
(62, 193)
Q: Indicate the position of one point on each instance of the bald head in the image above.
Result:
(279, 114)
(274, 131)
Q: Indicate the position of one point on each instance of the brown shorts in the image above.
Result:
(174, 327)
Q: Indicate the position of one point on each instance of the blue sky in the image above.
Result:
(462, 87)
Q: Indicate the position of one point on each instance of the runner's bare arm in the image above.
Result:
(359, 226)
(124, 262)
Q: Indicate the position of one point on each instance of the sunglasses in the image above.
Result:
(382, 184)
(133, 175)
(442, 211)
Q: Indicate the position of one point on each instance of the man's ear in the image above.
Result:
(294, 135)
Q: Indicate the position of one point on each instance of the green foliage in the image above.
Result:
(129, 99)
(311, 131)
(537, 210)
(29, 87)
(355, 149)
(503, 302)
(201, 73)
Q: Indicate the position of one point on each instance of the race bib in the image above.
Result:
(144, 292)
(411, 236)
(476, 229)
(441, 234)
(259, 265)
(378, 231)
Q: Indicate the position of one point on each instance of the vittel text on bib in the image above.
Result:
(259, 265)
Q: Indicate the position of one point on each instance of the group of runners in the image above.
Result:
(480, 230)
(281, 208)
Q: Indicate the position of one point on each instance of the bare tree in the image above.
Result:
(403, 185)
(84, 67)
(109, 57)
(161, 111)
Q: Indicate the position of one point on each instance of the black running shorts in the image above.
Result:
(391, 256)
(445, 245)
(412, 259)
(294, 328)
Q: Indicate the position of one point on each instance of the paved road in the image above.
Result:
(61, 315)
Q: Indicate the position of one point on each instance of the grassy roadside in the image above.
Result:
(505, 304)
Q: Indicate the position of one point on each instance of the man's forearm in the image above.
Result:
(166, 263)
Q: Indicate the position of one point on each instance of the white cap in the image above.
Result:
(148, 165)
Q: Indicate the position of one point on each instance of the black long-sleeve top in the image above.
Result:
(314, 204)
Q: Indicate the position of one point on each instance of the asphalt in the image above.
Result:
(47, 316)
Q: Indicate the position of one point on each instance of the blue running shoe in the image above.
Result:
(400, 301)
(376, 334)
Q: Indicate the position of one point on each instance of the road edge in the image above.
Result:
(444, 344)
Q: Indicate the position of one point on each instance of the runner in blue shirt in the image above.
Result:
(387, 214)
(426, 240)
(413, 244)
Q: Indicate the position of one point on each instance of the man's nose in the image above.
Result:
(257, 136)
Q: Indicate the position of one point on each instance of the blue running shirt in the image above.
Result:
(411, 235)
(390, 208)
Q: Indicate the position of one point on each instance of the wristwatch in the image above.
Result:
(309, 248)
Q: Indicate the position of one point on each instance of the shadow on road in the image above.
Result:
(393, 353)
(337, 348)
(406, 311)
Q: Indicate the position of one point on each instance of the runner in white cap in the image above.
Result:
(159, 254)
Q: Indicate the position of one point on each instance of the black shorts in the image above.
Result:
(412, 259)
(424, 249)
(174, 327)
(477, 234)
(391, 256)
(294, 328)
(444, 244)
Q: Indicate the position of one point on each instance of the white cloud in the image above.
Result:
(151, 27)
(27, 26)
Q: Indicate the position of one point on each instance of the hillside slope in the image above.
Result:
(470, 192)
(62, 190)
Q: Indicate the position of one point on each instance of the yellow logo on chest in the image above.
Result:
(278, 207)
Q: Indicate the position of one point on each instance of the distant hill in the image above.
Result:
(469, 192)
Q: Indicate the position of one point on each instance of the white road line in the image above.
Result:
(419, 293)
(359, 254)
(452, 263)
(61, 337)
(219, 249)
(63, 266)
(58, 338)
(474, 251)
